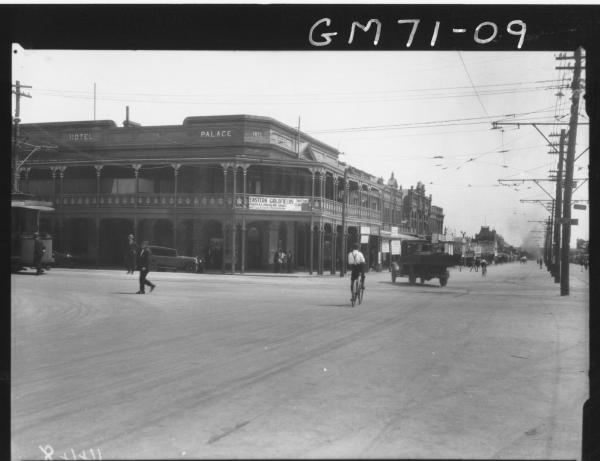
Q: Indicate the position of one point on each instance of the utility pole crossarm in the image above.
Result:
(540, 186)
(544, 136)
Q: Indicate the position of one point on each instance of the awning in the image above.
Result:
(32, 205)
(404, 237)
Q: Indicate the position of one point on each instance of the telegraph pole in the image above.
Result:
(549, 230)
(558, 208)
(566, 233)
(344, 212)
(17, 92)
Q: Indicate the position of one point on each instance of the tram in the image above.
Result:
(25, 222)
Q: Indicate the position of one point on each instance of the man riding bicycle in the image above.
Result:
(356, 261)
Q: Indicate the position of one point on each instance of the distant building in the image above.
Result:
(487, 240)
(416, 209)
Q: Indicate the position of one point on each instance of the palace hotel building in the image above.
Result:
(226, 188)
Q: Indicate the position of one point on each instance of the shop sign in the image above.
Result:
(365, 230)
(364, 239)
(79, 137)
(395, 247)
(394, 230)
(258, 202)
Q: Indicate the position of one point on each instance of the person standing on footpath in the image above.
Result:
(144, 264)
(132, 252)
(38, 252)
(290, 260)
(277, 261)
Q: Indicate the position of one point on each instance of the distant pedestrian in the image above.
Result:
(132, 251)
(477, 264)
(277, 261)
(586, 262)
(38, 252)
(540, 262)
(284, 261)
(483, 267)
(144, 264)
(290, 261)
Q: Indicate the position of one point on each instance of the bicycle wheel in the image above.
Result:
(361, 292)
(354, 292)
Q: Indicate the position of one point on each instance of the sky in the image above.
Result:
(424, 116)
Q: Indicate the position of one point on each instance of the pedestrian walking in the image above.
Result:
(38, 252)
(477, 264)
(132, 251)
(290, 260)
(540, 262)
(144, 264)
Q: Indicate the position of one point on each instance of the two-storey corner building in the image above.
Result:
(227, 188)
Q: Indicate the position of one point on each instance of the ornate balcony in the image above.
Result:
(212, 201)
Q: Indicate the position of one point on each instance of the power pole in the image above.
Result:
(17, 92)
(558, 208)
(566, 231)
(344, 211)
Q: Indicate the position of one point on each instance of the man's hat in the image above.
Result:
(130, 236)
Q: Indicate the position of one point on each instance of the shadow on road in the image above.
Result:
(406, 284)
(334, 305)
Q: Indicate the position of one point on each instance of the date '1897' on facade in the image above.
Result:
(484, 33)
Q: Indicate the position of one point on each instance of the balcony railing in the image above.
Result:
(203, 201)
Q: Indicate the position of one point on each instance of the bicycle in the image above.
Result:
(358, 291)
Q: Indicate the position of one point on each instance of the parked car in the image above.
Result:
(164, 258)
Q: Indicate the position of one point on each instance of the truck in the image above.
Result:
(423, 260)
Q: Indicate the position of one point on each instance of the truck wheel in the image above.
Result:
(412, 278)
(444, 278)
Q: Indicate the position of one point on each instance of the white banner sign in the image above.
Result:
(395, 247)
(365, 230)
(258, 202)
(385, 246)
(364, 239)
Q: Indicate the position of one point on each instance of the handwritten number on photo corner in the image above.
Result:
(484, 33)
(48, 452)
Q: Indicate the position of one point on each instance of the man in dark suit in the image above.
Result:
(144, 265)
(38, 252)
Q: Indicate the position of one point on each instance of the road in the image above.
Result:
(265, 366)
